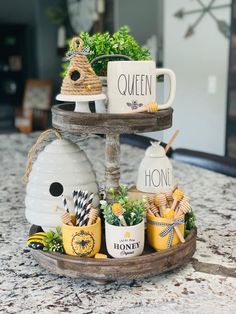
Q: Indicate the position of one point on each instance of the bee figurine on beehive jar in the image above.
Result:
(155, 173)
(59, 169)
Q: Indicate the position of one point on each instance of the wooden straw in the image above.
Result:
(177, 196)
(150, 212)
(184, 207)
(169, 197)
(154, 210)
(93, 215)
(171, 140)
(162, 203)
(179, 234)
(66, 219)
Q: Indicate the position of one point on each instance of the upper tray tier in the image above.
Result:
(64, 118)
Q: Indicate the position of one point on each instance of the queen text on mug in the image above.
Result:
(135, 84)
(132, 84)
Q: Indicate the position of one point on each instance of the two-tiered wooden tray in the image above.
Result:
(151, 262)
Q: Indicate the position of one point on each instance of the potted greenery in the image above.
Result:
(124, 224)
(120, 44)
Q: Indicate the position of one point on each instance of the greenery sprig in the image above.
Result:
(53, 241)
(121, 42)
(190, 222)
(133, 208)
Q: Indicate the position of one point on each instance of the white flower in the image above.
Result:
(132, 215)
(103, 202)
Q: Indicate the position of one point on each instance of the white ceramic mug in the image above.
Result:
(132, 84)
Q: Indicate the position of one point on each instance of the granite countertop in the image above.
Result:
(206, 284)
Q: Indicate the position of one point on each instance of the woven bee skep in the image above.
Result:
(80, 78)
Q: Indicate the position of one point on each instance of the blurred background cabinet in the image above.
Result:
(13, 71)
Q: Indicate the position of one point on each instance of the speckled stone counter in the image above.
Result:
(207, 284)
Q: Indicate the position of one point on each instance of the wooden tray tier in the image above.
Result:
(112, 125)
(64, 118)
(104, 270)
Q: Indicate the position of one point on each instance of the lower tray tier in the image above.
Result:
(65, 119)
(149, 264)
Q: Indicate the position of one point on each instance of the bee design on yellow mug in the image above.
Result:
(83, 243)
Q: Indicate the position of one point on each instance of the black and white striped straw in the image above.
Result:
(83, 205)
(83, 208)
(81, 201)
(65, 205)
(75, 199)
(78, 196)
(87, 211)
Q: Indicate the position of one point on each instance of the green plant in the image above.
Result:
(121, 42)
(53, 241)
(133, 209)
(190, 222)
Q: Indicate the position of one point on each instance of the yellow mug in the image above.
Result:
(157, 232)
(83, 241)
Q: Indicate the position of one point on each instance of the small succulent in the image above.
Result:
(53, 241)
(133, 209)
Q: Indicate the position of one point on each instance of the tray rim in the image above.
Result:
(118, 261)
(57, 109)
(114, 263)
(103, 123)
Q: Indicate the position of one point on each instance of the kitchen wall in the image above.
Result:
(144, 18)
(201, 66)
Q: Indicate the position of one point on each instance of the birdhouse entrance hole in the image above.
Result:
(56, 189)
(75, 75)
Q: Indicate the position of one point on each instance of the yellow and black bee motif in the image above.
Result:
(35, 241)
(83, 243)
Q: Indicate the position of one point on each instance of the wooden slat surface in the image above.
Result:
(64, 118)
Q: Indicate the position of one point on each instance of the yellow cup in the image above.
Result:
(84, 241)
(155, 226)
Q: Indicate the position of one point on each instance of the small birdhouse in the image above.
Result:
(80, 78)
(155, 173)
(60, 168)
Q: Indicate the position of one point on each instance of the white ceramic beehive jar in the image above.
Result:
(60, 168)
(155, 173)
